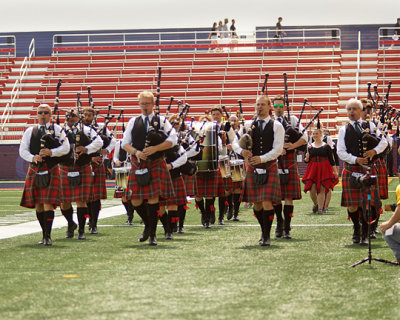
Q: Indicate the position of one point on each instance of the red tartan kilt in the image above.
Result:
(99, 190)
(270, 191)
(319, 172)
(33, 195)
(381, 175)
(209, 184)
(180, 194)
(292, 189)
(83, 191)
(227, 183)
(159, 186)
(237, 185)
(190, 185)
(353, 197)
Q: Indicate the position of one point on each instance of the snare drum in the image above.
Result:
(237, 168)
(121, 177)
(224, 166)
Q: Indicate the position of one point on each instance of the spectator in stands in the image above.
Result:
(234, 35)
(278, 30)
(213, 35)
(396, 32)
(225, 32)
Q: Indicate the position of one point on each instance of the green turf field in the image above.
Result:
(219, 273)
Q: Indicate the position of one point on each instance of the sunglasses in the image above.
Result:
(43, 112)
(279, 105)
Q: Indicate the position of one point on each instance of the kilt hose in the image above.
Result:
(270, 191)
(381, 175)
(354, 197)
(159, 186)
(83, 191)
(180, 194)
(33, 194)
(292, 189)
(190, 184)
(209, 184)
(99, 190)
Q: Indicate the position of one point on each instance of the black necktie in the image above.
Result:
(260, 125)
(146, 123)
(357, 127)
(42, 130)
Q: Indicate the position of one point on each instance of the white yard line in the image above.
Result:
(59, 222)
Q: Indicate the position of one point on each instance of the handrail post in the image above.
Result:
(358, 63)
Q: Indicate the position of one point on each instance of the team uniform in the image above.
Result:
(36, 193)
(349, 148)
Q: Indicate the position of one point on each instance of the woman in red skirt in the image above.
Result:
(320, 175)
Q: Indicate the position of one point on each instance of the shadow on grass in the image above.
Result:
(357, 246)
(258, 247)
(145, 246)
(282, 240)
(55, 246)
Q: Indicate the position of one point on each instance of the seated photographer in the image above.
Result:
(393, 238)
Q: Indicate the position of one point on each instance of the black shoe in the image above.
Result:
(168, 236)
(229, 215)
(261, 240)
(180, 230)
(315, 209)
(129, 222)
(42, 241)
(235, 218)
(145, 235)
(207, 225)
(212, 218)
(278, 232)
(47, 242)
(70, 231)
(364, 242)
(286, 235)
(174, 228)
(152, 241)
(93, 230)
(81, 235)
(221, 222)
(265, 242)
(203, 222)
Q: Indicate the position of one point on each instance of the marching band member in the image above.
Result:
(287, 161)
(99, 190)
(119, 158)
(41, 189)
(148, 166)
(350, 150)
(76, 173)
(261, 185)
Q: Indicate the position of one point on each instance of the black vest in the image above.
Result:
(83, 159)
(50, 142)
(262, 142)
(138, 134)
(122, 153)
(353, 141)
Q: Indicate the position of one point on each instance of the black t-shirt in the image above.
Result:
(213, 29)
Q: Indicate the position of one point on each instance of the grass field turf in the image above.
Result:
(220, 273)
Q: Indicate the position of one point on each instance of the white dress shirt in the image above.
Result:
(165, 126)
(341, 145)
(63, 149)
(181, 160)
(277, 147)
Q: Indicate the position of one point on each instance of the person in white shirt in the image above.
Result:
(262, 186)
(41, 145)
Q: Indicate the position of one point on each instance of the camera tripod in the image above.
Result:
(367, 215)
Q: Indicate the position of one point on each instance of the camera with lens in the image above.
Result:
(362, 180)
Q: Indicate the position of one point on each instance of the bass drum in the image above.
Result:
(208, 156)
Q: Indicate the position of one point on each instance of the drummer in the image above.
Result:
(209, 185)
(121, 159)
(226, 136)
(233, 199)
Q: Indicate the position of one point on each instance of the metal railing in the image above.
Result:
(101, 43)
(15, 92)
(7, 46)
(358, 64)
(388, 37)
